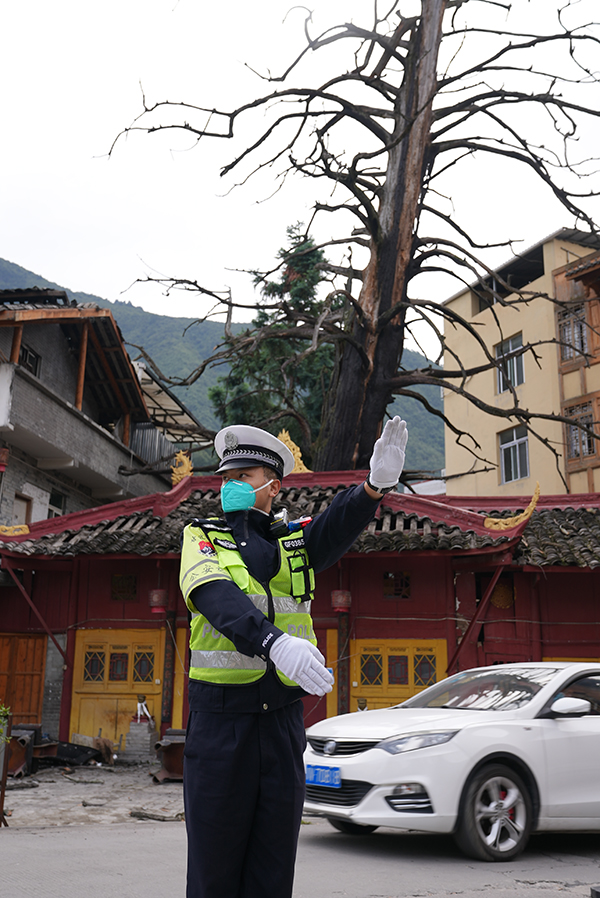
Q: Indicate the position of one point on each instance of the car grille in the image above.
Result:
(349, 794)
(341, 748)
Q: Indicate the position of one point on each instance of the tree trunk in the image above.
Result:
(360, 390)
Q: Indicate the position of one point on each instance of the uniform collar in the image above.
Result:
(258, 521)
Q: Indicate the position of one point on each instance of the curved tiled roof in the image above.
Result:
(144, 532)
(556, 534)
(561, 536)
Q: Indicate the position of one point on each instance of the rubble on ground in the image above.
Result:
(93, 794)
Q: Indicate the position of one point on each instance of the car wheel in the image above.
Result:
(496, 817)
(351, 829)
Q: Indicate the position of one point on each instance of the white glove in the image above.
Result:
(302, 662)
(387, 460)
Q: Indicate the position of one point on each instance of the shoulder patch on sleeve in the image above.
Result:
(210, 524)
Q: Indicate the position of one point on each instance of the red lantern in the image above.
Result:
(341, 599)
(157, 599)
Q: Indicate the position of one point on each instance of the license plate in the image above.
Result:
(324, 776)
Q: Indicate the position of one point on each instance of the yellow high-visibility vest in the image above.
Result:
(208, 553)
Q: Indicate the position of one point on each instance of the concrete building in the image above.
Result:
(554, 382)
(78, 420)
(577, 287)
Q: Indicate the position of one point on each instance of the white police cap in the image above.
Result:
(242, 446)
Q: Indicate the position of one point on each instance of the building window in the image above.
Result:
(398, 670)
(93, 666)
(514, 454)
(579, 443)
(510, 372)
(371, 670)
(29, 359)
(487, 293)
(425, 670)
(56, 504)
(143, 666)
(118, 665)
(396, 585)
(123, 587)
(572, 332)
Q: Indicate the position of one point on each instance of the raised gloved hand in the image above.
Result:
(302, 662)
(387, 460)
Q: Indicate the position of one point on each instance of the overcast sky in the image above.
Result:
(70, 75)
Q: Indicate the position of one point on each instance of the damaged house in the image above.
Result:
(430, 587)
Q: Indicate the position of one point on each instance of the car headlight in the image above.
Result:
(397, 744)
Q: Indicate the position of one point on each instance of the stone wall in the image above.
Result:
(24, 477)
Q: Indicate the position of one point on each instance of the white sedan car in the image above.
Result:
(489, 755)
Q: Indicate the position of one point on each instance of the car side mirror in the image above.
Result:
(569, 707)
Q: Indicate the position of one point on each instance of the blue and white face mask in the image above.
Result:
(239, 496)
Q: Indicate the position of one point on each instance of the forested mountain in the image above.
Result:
(177, 354)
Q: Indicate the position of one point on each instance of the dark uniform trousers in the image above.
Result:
(244, 791)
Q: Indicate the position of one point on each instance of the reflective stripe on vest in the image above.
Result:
(281, 604)
(226, 660)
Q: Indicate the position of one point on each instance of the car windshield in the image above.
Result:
(485, 690)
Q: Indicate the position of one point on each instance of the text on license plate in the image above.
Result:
(323, 776)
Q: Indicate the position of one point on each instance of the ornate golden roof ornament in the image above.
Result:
(14, 530)
(182, 468)
(299, 466)
(511, 523)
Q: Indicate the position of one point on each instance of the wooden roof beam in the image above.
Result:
(111, 378)
(10, 317)
(81, 365)
(16, 344)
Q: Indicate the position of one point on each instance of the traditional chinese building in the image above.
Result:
(91, 614)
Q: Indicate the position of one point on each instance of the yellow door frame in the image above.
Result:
(111, 668)
(384, 672)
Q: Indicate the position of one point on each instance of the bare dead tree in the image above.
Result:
(419, 119)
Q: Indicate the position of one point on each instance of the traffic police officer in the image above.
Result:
(248, 582)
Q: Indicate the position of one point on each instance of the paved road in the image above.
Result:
(389, 864)
(146, 860)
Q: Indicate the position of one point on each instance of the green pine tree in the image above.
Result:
(272, 384)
